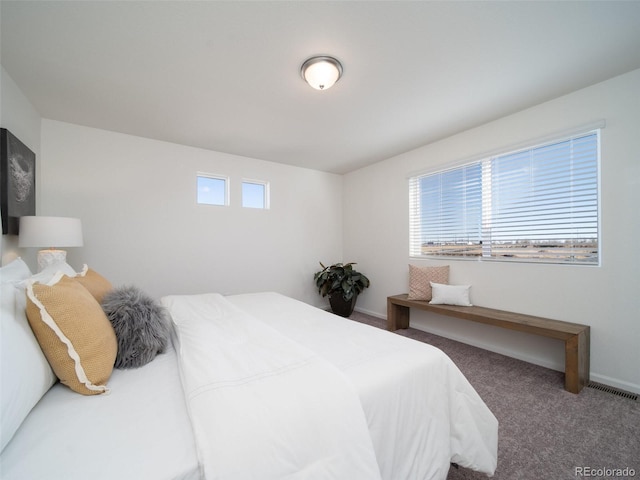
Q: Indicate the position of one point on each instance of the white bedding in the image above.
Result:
(422, 412)
(262, 406)
(139, 431)
(275, 388)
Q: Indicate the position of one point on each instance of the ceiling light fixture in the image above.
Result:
(321, 72)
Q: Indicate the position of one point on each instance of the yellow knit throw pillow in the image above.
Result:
(97, 285)
(73, 332)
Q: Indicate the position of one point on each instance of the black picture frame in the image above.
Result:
(17, 182)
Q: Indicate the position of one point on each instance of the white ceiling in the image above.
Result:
(225, 75)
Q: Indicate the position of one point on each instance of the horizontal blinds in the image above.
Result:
(539, 203)
(415, 216)
(448, 211)
(545, 200)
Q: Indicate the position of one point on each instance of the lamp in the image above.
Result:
(321, 72)
(36, 231)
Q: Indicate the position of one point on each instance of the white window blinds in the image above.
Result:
(536, 204)
(446, 216)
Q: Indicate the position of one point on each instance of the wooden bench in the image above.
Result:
(575, 336)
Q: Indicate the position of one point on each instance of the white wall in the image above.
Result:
(137, 201)
(141, 225)
(606, 298)
(20, 117)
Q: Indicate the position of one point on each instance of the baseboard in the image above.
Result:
(369, 312)
(613, 382)
(595, 377)
(507, 352)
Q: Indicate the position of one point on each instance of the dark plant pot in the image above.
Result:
(340, 306)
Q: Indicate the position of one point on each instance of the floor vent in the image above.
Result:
(615, 391)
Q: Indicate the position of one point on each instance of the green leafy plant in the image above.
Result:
(339, 278)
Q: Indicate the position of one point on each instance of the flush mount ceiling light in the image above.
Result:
(321, 72)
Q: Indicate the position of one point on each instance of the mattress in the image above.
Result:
(138, 431)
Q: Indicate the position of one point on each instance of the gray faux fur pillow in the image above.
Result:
(141, 325)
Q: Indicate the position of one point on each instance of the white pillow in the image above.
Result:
(450, 294)
(25, 373)
(14, 272)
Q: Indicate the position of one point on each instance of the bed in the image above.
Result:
(253, 386)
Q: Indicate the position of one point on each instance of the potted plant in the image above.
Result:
(343, 284)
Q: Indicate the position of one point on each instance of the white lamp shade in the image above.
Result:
(37, 231)
(321, 72)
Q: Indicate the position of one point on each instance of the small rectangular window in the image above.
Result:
(255, 194)
(213, 190)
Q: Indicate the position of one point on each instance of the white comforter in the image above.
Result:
(270, 387)
(422, 412)
(261, 405)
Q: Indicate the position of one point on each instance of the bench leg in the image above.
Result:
(576, 368)
(397, 316)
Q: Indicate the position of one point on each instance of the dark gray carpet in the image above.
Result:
(545, 432)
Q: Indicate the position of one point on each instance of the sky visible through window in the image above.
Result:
(549, 193)
(212, 191)
(253, 195)
(452, 205)
(542, 197)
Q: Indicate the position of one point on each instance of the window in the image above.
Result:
(255, 194)
(537, 204)
(212, 190)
